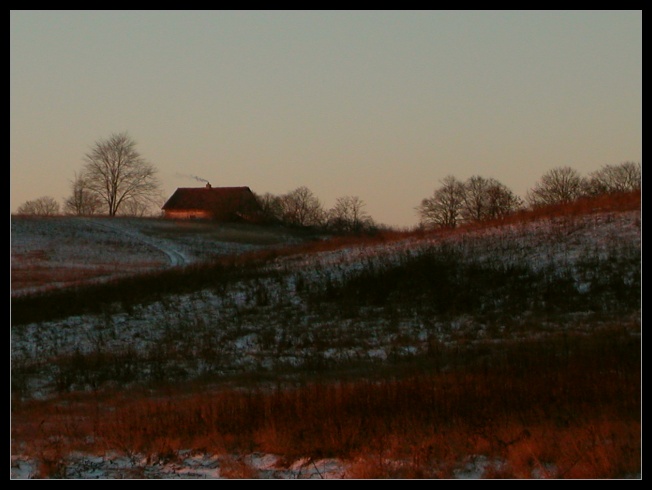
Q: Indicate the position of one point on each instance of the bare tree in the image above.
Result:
(116, 172)
(271, 207)
(348, 215)
(501, 201)
(559, 185)
(616, 178)
(302, 208)
(82, 200)
(475, 202)
(43, 206)
(487, 199)
(444, 208)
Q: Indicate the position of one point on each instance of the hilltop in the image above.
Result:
(63, 251)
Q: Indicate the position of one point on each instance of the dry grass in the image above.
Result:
(566, 406)
(234, 467)
(143, 284)
(44, 277)
(571, 416)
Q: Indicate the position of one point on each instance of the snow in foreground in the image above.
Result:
(192, 465)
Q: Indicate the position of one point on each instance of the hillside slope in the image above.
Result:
(507, 350)
(359, 306)
(57, 252)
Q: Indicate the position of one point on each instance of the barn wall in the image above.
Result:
(187, 214)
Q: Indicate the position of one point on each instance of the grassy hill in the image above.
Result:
(63, 251)
(504, 342)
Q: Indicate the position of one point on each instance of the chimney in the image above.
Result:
(208, 185)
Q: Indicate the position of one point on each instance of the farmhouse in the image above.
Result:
(226, 204)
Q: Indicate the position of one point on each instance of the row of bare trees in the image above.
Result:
(43, 206)
(564, 184)
(301, 207)
(116, 179)
(480, 198)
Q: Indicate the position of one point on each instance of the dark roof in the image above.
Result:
(222, 202)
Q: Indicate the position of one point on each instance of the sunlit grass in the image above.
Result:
(466, 359)
(558, 408)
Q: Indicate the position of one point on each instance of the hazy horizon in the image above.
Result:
(377, 104)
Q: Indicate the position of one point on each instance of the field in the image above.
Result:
(149, 349)
(57, 252)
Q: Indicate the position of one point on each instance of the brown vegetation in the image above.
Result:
(566, 407)
(566, 404)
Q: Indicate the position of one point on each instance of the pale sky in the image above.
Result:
(377, 104)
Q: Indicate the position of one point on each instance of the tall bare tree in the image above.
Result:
(348, 215)
(475, 203)
(82, 201)
(487, 199)
(301, 207)
(559, 185)
(43, 206)
(271, 207)
(117, 173)
(444, 208)
(501, 201)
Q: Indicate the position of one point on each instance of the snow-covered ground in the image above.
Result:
(268, 322)
(56, 252)
(199, 466)
(186, 465)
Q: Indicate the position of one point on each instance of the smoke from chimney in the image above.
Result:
(194, 177)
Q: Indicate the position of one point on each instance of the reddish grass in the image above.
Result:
(196, 276)
(616, 202)
(541, 409)
(534, 410)
(46, 276)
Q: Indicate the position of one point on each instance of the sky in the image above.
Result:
(382, 105)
